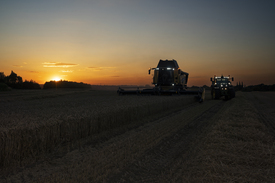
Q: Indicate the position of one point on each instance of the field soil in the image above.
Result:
(213, 141)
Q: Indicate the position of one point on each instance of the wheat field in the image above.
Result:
(97, 136)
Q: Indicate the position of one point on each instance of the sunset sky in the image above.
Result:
(115, 42)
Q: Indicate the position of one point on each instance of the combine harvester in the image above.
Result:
(168, 79)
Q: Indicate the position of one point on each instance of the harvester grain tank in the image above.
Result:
(168, 79)
(222, 86)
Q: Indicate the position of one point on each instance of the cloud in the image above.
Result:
(100, 68)
(66, 71)
(58, 64)
(33, 72)
(17, 65)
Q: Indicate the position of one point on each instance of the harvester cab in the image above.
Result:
(168, 75)
(168, 79)
(222, 86)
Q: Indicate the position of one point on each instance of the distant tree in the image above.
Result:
(239, 86)
(65, 84)
(2, 77)
(31, 85)
(260, 87)
(51, 84)
(14, 81)
(12, 78)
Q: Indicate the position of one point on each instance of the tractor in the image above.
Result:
(222, 86)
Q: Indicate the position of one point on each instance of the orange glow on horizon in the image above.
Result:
(56, 79)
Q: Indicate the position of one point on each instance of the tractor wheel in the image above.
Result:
(217, 94)
(213, 94)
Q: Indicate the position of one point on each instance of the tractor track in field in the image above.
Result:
(177, 145)
(262, 105)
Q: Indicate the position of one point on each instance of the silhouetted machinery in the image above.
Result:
(168, 79)
(222, 86)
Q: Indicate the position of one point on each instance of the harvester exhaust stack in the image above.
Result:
(168, 79)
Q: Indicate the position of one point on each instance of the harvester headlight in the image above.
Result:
(173, 84)
(157, 69)
(225, 88)
(221, 85)
(169, 68)
(225, 85)
(215, 83)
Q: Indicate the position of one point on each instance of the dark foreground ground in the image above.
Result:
(215, 141)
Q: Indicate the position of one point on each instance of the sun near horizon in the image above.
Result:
(56, 79)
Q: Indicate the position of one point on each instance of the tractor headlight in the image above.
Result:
(225, 88)
(221, 85)
(168, 68)
(157, 69)
(173, 84)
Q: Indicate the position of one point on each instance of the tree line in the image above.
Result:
(65, 84)
(16, 82)
(260, 87)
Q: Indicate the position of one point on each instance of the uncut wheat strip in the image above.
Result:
(70, 129)
(138, 149)
(99, 154)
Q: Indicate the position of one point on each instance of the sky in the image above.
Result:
(115, 42)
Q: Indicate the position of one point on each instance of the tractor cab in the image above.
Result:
(222, 86)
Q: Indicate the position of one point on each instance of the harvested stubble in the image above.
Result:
(35, 125)
(237, 149)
